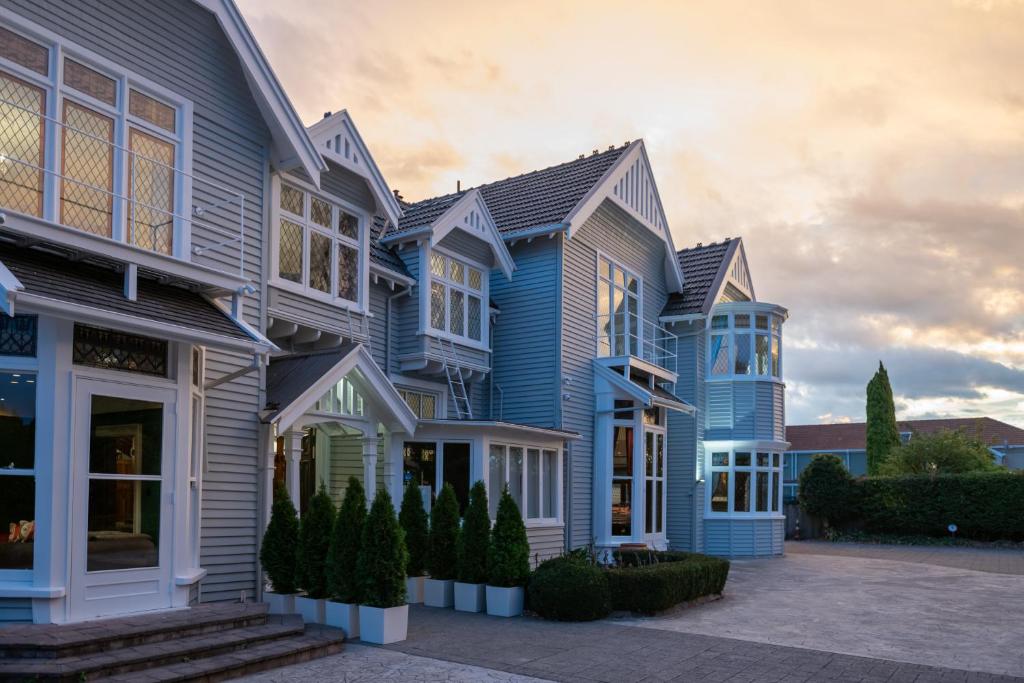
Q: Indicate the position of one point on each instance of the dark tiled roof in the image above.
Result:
(289, 376)
(426, 212)
(701, 266)
(382, 255)
(84, 284)
(852, 436)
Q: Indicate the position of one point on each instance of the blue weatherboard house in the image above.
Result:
(201, 300)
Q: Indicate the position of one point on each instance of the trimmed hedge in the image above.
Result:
(569, 588)
(651, 581)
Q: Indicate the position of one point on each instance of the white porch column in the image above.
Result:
(293, 452)
(370, 467)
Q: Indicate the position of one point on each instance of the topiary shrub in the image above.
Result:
(650, 581)
(828, 491)
(444, 536)
(508, 555)
(569, 588)
(346, 539)
(315, 530)
(413, 520)
(382, 556)
(475, 537)
(277, 552)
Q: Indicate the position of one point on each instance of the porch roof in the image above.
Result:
(648, 395)
(504, 426)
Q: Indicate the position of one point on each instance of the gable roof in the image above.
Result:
(291, 147)
(383, 256)
(852, 436)
(704, 268)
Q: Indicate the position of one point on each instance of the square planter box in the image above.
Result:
(312, 610)
(414, 589)
(280, 603)
(469, 597)
(383, 625)
(438, 593)
(343, 615)
(505, 602)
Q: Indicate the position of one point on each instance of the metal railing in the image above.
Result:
(622, 334)
(80, 178)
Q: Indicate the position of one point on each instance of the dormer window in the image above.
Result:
(457, 291)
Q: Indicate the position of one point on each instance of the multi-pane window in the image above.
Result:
(654, 482)
(422, 404)
(113, 149)
(318, 245)
(341, 399)
(618, 310)
(113, 350)
(622, 480)
(17, 469)
(456, 297)
(745, 482)
(745, 344)
(532, 477)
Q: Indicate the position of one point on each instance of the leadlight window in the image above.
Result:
(112, 350)
(745, 481)
(618, 310)
(27, 53)
(456, 297)
(422, 404)
(318, 245)
(745, 345)
(532, 476)
(18, 335)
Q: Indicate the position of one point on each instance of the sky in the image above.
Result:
(870, 154)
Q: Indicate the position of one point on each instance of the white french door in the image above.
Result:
(122, 492)
(654, 484)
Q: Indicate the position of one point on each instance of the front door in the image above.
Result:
(122, 498)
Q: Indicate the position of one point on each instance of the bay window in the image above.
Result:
(533, 477)
(457, 292)
(745, 344)
(318, 246)
(745, 481)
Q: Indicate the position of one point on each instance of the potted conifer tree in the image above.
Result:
(508, 560)
(438, 590)
(342, 609)
(383, 613)
(472, 552)
(413, 520)
(314, 541)
(277, 553)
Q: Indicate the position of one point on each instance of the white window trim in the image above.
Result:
(362, 245)
(56, 93)
(774, 493)
(438, 398)
(530, 522)
(774, 334)
(599, 280)
(661, 429)
(428, 278)
(424, 386)
(26, 365)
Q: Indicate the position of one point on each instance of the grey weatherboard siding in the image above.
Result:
(181, 47)
(686, 432)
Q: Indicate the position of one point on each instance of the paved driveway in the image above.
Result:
(907, 611)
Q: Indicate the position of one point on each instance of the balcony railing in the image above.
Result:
(73, 173)
(622, 334)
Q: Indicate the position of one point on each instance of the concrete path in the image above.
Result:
(995, 560)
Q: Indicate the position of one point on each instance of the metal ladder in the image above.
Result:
(456, 385)
(363, 331)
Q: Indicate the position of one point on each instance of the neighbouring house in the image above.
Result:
(847, 441)
(202, 299)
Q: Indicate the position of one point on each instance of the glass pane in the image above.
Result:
(495, 477)
(456, 471)
(719, 459)
(21, 178)
(659, 470)
(604, 268)
(427, 407)
(18, 515)
(348, 272)
(458, 272)
(649, 503)
(124, 524)
(125, 436)
(348, 225)
(652, 416)
(622, 452)
(719, 491)
(88, 158)
(775, 459)
(17, 423)
(114, 350)
(762, 492)
(761, 322)
(474, 318)
(320, 261)
(475, 280)
(550, 484)
(762, 460)
(719, 354)
(420, 465)
(319, 212)
(290, 256)
(632, 284)
(719, 322)
(456, 311)
(151, 213)
(437, 306)
(149, 109)
(622, 507)
(660, 510)
(532, 483)
(741, 495)
(741, 320)
(437, 264)
(619, 277)
(776, 367)
(292, 200)
(413, 400)
(742, 366)
(23, 51)
(91, 82)
(743, 460)
(649, 454)
(776, 495)
(515, 474)
(622, 411)
(761, 349)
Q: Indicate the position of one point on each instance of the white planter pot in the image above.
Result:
(469, 597)
(312, 610)
(505, 602)
(280, 603)
(343, 615)
(414, 590)
(438, 593)
(383, 625)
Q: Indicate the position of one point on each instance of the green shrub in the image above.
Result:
(382, 556)
(277, 552)
(475, 537)
(444, 535)
(315, 529)
(649, 582)
(947, 452)
(508, 555)
(827, 490)
(346, 540)
(569, 588)
(413, 520)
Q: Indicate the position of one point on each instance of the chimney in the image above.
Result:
(327, 114)
(458, 186)
(398, 195)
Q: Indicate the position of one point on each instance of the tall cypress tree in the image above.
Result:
(346, 539)
(882, 433)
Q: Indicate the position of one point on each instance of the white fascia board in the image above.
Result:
(388, 274)
(487, 426)
(257, 336)
(359, 161)
(720, 277)
(10, 287)
(471, 215)
(294, 148)
(622, 383)
(605, 189)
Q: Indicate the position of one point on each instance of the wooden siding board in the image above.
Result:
(469, 246)
(545, 542)
(14, 610)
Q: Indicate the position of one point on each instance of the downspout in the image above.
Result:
(387, 327)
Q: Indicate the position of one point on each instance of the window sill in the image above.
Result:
(543, 524)
(461, 341)
(189, 577)
(25, 589)
(317, 295)
(731, 516)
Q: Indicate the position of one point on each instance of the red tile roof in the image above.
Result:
(851, 436)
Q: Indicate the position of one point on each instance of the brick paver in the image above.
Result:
(994, 560)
